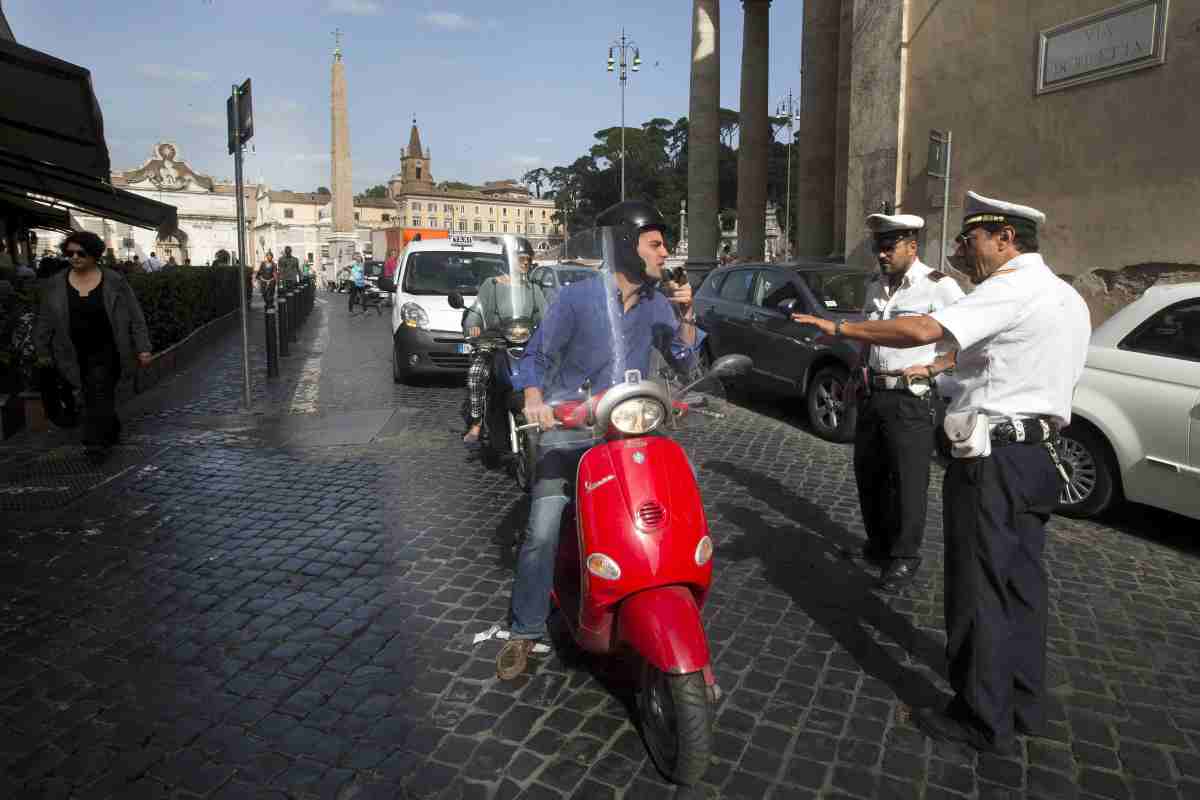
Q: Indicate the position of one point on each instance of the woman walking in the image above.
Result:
(89, 327)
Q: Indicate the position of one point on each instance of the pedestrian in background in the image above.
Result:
(267, 276)
(152, 263)
(390, 265)
(1022, 339)
(894, 442)
(289, 269)
(90, 327)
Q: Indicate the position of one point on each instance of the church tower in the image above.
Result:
(415, 174)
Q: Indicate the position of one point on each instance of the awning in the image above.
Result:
(85, 193)
(31, 214)
(53, 140)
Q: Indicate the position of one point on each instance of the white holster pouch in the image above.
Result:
(969, 434)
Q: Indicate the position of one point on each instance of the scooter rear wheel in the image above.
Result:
(676, 721)
(526, 460)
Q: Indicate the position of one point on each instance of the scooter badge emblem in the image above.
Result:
(590, 486)
(639, 458)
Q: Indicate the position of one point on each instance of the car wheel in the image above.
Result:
(831, 417)
(1092, 480)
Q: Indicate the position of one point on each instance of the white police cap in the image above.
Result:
(880, 224)
(980, 209)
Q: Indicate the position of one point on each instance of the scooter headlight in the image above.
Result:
(602, 566)
(704, 551)
(414, 316)
(638, 415)
(517, 334)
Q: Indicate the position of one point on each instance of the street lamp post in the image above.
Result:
(791, 108)
(623, 46)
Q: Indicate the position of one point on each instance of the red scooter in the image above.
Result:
(638, 569)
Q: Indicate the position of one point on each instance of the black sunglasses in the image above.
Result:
(73, 253)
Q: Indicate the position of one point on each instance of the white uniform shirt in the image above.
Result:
(917, 294)
(1022, 337)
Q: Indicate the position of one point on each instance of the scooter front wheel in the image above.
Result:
(676, 720)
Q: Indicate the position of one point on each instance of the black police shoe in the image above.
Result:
(946, 727)
(898, 574)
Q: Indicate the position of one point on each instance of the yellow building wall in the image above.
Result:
(1114, 164)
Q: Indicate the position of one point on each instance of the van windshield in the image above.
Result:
(435, 272)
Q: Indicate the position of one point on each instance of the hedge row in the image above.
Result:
(175, 302)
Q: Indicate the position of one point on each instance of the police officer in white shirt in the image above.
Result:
(894, 441)
(1021, 339)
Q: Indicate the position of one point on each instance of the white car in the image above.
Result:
(427, 336)
(1135, 420)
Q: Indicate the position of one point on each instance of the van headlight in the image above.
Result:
(637, 415)
(414, 316)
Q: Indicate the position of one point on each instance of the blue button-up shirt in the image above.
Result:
(586, 335)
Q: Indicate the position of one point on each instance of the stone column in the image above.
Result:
(343, 192)
(755, 135)
(815, 165)
(704, 135)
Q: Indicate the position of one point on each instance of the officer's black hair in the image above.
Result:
(1025, 237)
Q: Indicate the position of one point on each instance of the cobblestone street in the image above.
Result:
(281, 604)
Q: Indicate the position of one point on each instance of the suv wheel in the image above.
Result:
(831, 417)
(1093, 481)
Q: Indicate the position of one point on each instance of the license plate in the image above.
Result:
(464, 348)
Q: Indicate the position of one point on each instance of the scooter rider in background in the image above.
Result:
(358, 281)
(496, 302)
(593, 332)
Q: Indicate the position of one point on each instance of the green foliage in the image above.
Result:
(178, 301)
(323, 190)
(376, 192)
(457, 186)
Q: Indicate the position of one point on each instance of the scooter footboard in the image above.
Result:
(663, 625)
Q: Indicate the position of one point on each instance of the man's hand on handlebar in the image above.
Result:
(537, 411)
(473, 332)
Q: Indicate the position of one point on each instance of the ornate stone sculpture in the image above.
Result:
(167, 173)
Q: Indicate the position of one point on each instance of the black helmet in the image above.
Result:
(636, 214)
(524, 247)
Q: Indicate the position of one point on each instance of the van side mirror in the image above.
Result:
(456, 300)
(387, 284)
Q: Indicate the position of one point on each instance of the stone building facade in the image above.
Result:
(495, 208)
(302, 221)
(1076, 107)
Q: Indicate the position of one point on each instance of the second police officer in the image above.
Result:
(1021, 339)
(894, 442)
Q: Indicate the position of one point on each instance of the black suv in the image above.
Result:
(745, 308)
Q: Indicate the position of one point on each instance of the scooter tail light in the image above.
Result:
(602, 566)
(704, 551)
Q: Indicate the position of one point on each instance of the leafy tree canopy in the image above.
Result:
(378, 191)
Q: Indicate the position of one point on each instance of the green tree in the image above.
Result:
(323, 190)
(457, 186)
(378, 191)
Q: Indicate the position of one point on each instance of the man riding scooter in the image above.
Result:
(592, 334)
(500, 298)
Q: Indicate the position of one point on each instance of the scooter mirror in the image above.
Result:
(456, 300)
(731, 365)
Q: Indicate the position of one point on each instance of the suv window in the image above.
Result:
(837, 290)
(736, 287)
(712, 284)
(773, 288)
(1173, 332)
(433, 272)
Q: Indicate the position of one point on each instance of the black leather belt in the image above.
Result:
(1033, 430)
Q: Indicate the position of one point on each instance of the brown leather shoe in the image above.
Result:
(513, 657)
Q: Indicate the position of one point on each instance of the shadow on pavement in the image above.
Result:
(1154, 525)
(804, 560)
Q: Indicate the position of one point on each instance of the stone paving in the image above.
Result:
(260, 609)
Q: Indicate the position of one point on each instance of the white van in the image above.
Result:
(427, 336)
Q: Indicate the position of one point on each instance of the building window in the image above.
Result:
(476, 209)
(543, 229)
(462, 209)
(478, 226)
(356, 216)
(462, 224)
(416, 206)
(505, 212)
(387, 217)
(543, 213)
(491, 227)
(288, 213)
(416, 222)
(418, 173)
(531, 212)
(491, 211)
(447, 209)
(433, 223)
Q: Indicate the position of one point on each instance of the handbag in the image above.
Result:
(58, 397)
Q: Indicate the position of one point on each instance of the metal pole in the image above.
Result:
(622, 116)
(945, 203)
(787, 228)
(241, 239)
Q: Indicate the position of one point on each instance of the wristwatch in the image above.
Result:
(837, 328)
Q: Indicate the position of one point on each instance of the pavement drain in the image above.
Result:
(60, 476)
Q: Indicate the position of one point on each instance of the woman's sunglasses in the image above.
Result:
(73, 253)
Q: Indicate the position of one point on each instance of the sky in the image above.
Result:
(497, 88)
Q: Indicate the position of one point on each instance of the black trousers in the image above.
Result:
(99, 374)
(893, 446)
(995, 512)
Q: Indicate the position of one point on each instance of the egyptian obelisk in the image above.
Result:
(342, 239)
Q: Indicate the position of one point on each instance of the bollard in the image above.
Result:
(272, 344)
(283, 319)
(293, 315)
